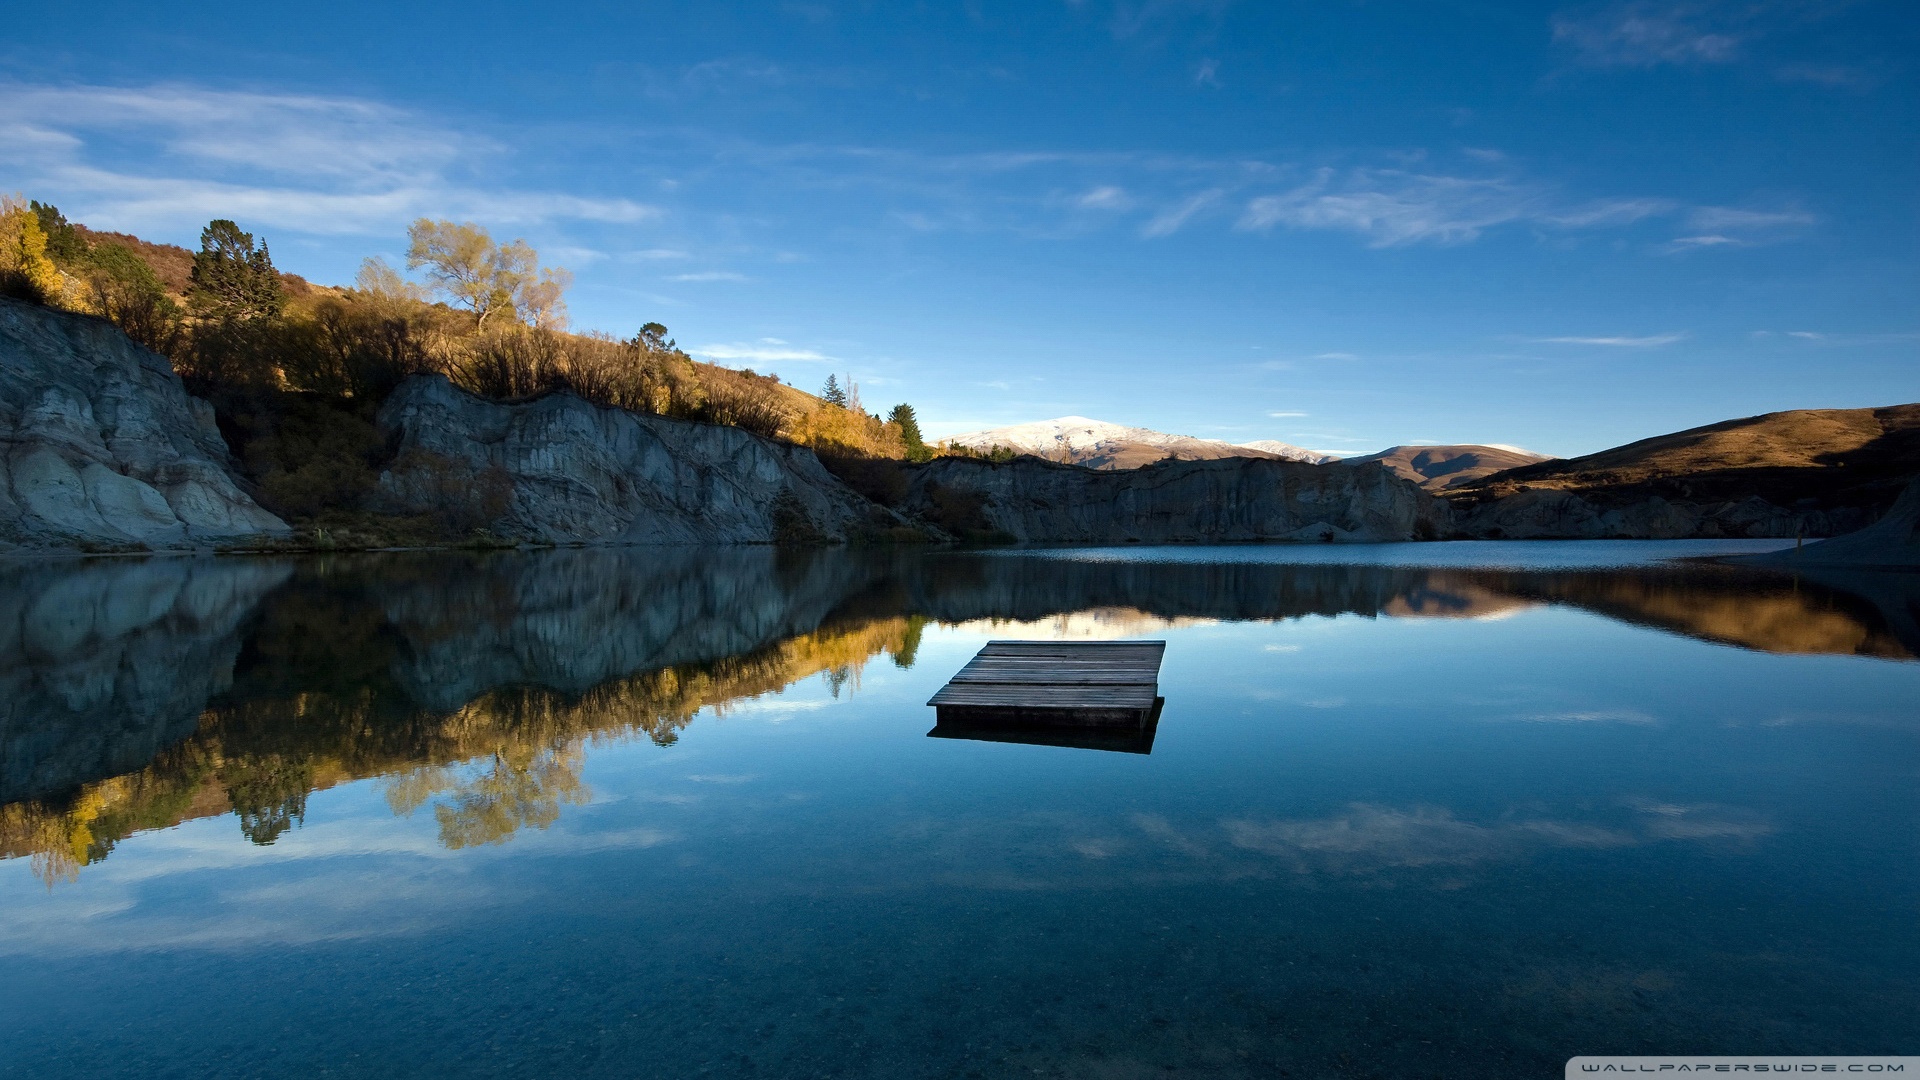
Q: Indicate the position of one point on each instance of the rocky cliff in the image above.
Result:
(561, 470)
(100, 445)
(1891, 543)
(1220, 501)
(1558, 514)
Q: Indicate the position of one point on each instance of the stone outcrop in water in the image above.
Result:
(100, 445)
(1221, 501)
(562, 470)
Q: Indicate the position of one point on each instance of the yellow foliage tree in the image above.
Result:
(23, 253)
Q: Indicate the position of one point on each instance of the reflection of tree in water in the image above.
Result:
(516, 787)
(508, 760)
(332, 675)
(269, 793)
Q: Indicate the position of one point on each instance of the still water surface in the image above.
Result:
(660, 813)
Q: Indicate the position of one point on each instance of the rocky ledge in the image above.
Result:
(102, 448)
(561, 470)
(1225, 500)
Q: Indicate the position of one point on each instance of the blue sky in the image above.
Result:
(1344, 225)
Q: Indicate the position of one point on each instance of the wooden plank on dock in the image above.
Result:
(1056, 683)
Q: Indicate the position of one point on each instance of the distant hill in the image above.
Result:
(1438, 468)
(1804, 459)
(1076, 440)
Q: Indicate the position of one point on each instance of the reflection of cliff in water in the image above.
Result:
(142, 694)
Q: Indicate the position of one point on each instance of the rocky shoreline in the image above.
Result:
(103, 450)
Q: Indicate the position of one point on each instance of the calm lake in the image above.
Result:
(665, 813)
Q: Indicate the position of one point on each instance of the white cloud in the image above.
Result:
(1647, 342)
(1807, 335)
(1686, 243)
(1334, 356)
(323, 165)
(761, 352)
(1208, 74)
(1286, 415)
(1169, 221)
(1105, 197)
(709, 275)
(1645, 35)
(1730, 219)
(1391, 207)
(1607, 212)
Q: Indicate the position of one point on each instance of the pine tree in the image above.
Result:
(832, 394)
(909, 424)
(232, 279)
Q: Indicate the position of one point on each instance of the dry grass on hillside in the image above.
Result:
(1828, 457)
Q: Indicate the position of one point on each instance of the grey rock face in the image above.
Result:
(562, 470)
(104, 663)
(1219, 501)
(100, 444)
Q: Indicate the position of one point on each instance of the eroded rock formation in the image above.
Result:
(1225, 500)
(100, 445)
(561, 470)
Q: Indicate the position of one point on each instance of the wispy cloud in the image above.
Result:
(1649, 341)
(1608, 212)
(1286, 415)
(1207, 74)
(1104, 197)
(1173, 218)
(1689, 243)
(1334, 356)
(766, 350)
(324, 165)
(1391, 208)
(1646, 34)
(1730, 226)
(710, 275)
(1728, 218)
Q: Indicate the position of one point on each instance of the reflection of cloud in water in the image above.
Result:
(722, 778)
(1368, 838)
(1588, 716)
(1093, 624)
(1160, 829)
(1704, 821)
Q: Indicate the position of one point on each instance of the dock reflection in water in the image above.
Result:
(1365, 728)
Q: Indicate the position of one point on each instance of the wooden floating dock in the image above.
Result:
(1055, 684)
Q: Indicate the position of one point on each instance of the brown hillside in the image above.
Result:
(1804, 458)
(1438, 468)
(173, 264)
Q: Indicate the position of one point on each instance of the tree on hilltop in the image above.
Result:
(486, 278)
(233, 280)
(909, 424)
(832, 394)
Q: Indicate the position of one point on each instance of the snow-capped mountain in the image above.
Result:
(1290, 451)
(1100, 445)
